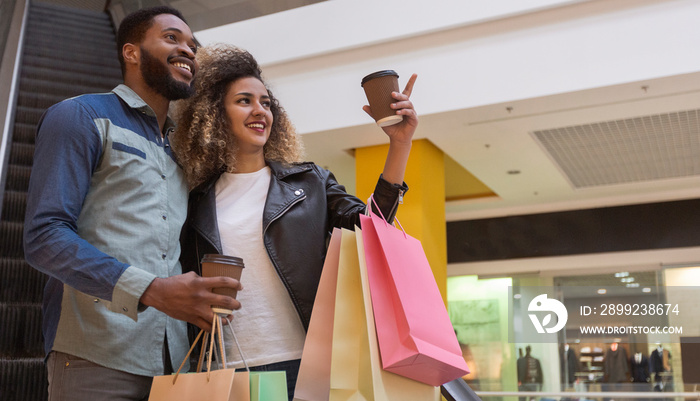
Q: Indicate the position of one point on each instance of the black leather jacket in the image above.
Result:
(304, 203)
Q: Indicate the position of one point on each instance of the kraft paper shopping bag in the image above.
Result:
(356, 372)
(416, 337)
(217, 385)
(314, 379)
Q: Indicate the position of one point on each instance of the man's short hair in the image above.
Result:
(134, 26)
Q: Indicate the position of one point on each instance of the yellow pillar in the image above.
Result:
(422, 214)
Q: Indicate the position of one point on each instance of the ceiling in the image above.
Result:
(624, 144)
(200, 14)
(630, 143)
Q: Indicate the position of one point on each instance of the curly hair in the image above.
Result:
(203, 143)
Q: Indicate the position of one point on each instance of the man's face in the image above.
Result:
(168, 62)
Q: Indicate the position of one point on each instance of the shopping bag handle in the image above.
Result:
(216, 323)
(368, 211)
(196, 340)
(235, 340)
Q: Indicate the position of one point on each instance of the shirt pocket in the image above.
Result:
(128, 149)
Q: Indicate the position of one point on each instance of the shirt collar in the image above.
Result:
(134, 101)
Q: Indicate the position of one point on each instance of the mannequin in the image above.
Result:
(529, 373)
(569, 364)
(615, 369)
(639, 365)
(659, 362)
(615, 365)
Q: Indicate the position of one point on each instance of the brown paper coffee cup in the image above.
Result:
(214, 265)
(378, 87)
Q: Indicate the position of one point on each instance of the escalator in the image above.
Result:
(66, 52)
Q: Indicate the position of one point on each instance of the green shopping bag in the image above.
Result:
(268, 386)
(264, 386)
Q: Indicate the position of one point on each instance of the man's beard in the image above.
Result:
(157, 75)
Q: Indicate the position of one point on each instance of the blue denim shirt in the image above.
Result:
(105, 208)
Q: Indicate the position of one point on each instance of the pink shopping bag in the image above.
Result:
(356, 371)
(415, 335)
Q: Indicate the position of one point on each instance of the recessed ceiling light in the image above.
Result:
(646, 289)
(602, 291)
(517, 296)
(627, 279)
(632, 285)
(622, 274)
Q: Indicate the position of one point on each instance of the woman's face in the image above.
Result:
(247, 106)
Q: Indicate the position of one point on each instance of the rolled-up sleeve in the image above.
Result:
(346, 208)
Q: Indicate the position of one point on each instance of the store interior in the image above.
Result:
(577, 362)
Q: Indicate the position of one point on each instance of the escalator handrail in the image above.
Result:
(9, 85)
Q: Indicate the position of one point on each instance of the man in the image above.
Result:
(104, 212)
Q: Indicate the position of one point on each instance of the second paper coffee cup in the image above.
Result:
(378, 87)
(214, 265)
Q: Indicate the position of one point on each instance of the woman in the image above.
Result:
(252, 198)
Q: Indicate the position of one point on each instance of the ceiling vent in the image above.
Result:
(640, 149)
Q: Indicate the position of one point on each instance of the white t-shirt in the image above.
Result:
(267, 326)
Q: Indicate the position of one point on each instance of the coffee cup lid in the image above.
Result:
(378, 74)
(211, 257)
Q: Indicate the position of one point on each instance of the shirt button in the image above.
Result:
(162, 176)
(165, 217)
(125, 309)
(163, 256)
(298, 192)
(95, 300)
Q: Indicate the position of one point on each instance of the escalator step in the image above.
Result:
(21, 282)
(97, 32)
(11, 239)
(21, 334)
(109, 78)
(38, 100)
(22, 154)
(65, 87)
(23, 379)
(14, 205)
(98, 68)
(65, 60)
(71, 54)
(18, 177)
